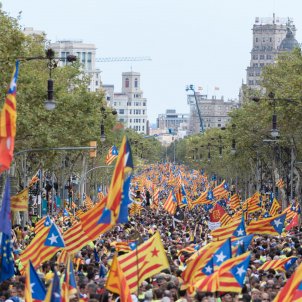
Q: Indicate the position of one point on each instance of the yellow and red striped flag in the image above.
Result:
(170, 204)
(234, 202)
(8, 118)
(19, 202)
(225, 219)
(228, 278)
(291, 292)
(88, 202)
(279, 264)
(147, 260)
(36, 251)
(269, 226)
(117, 282)
(275, 207)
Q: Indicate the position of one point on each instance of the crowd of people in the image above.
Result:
(93, 262)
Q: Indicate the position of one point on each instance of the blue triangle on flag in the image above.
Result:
(37, 288)
(278, 223)
(133, 245)
(239, 270)
(54, 237)
(106, 217)
(47, 222)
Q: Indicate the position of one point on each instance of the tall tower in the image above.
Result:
(268, 33)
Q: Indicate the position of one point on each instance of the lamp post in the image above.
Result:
(52, 63)
(201, 128)
(104, 114)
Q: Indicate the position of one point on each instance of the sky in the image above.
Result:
(204, 43)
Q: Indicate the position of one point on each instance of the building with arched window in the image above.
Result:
(130, 104)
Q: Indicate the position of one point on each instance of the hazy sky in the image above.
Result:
(205, 43)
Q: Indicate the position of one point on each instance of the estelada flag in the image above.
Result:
(19, 202)
(117, 279)
(8, 118)
(146, 260)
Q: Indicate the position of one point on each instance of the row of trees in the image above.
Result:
(74, 122)
(259, 159)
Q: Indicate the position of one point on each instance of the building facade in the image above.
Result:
(214, 112)
(172, 120)
(268, 34)
(130, 104)
(86, 54)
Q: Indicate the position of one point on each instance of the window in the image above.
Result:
(114, 104)
(121, 111)
(127, 83)
(261, 57)
(108, 98)
(83, 57)
(128, 103)
(135, 83)
(251, 82)
(96, 83)
(143, 128)
(255, 57)
(130, 112)
(130, 120)
(144, 103)
(261, 64)
(256, 40)
(255, 64)
(219, 125)
(268, 57)
(143, 111)
(139, 128)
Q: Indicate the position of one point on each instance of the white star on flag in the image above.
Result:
(240, 232)
(53, 238)
(208, 269)
(240, 270)
(32, 287)
(240, 242)
(277, 222)
(220, 257)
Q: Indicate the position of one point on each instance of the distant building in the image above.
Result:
(172, 120)
(130, 104)
(214, 112)
(86, 56)
(30, 31)
(270, 36)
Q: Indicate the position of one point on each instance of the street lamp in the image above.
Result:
(104, 116)
(53, 62)
(191, 87)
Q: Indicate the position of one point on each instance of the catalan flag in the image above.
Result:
(34, 288)
(226, 219)
(235, 202)
(147, 260)
(69, 286)
(170, 204)
(112, 155)
(279, 264)
(123, 168)
(8, 117)
(44, 222)
(235, 229)
(253, 204)
(275, 207)
(269, 226)
(240, 244)
(54, 290)
(117, 280)
(292, 291)
(88, 203)
(155, 200)
(228, 278)
(221, 190)
(280, 183)
(19, 202)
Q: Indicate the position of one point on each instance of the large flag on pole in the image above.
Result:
(146, 260)
(8, 118)
(19, 202)
(112, 155)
